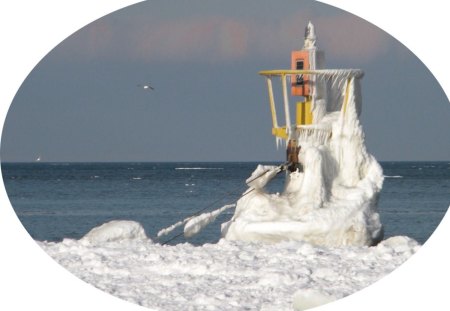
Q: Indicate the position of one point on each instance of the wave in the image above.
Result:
(199, 168)
(394, 176)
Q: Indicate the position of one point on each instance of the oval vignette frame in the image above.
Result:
(442, 268)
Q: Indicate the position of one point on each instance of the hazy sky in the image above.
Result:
(82, 103)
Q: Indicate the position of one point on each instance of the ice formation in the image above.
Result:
(230, 275)
(333, 201)
(115, 230)
(196, 224)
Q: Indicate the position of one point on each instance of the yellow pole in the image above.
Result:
(272, 103)
(347, 88)
(286, 105)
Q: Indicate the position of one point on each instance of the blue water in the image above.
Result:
(66, 200)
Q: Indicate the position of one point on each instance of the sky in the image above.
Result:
(82, 101)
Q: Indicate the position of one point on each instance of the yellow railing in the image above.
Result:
(285, 131)
(357, 73)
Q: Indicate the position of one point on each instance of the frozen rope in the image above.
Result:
(196, 224)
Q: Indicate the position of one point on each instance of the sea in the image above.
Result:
(55, 201)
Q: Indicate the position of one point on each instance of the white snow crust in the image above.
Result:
(333, 201)
(231, 275)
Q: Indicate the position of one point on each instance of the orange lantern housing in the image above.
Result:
(300, 83)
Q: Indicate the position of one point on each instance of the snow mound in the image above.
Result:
(399, 244)
(116, 231)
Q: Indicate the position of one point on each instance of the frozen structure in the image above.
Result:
(332, 182)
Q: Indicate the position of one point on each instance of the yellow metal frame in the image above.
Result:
(280, 132)
(303, 113)
(357, 73)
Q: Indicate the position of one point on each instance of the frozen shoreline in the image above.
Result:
(231, 275)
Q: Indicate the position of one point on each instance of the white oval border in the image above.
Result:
(29, 279)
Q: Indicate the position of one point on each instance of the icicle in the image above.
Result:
(279, 142)
(314, 136)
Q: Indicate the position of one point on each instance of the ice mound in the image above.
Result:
(333, 201)
(116, 231)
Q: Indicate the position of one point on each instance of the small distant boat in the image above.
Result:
(38, 159)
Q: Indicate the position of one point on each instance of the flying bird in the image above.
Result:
(146, 86)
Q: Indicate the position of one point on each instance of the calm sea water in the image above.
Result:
(66, 200)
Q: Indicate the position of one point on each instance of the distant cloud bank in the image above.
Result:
(224, 38)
